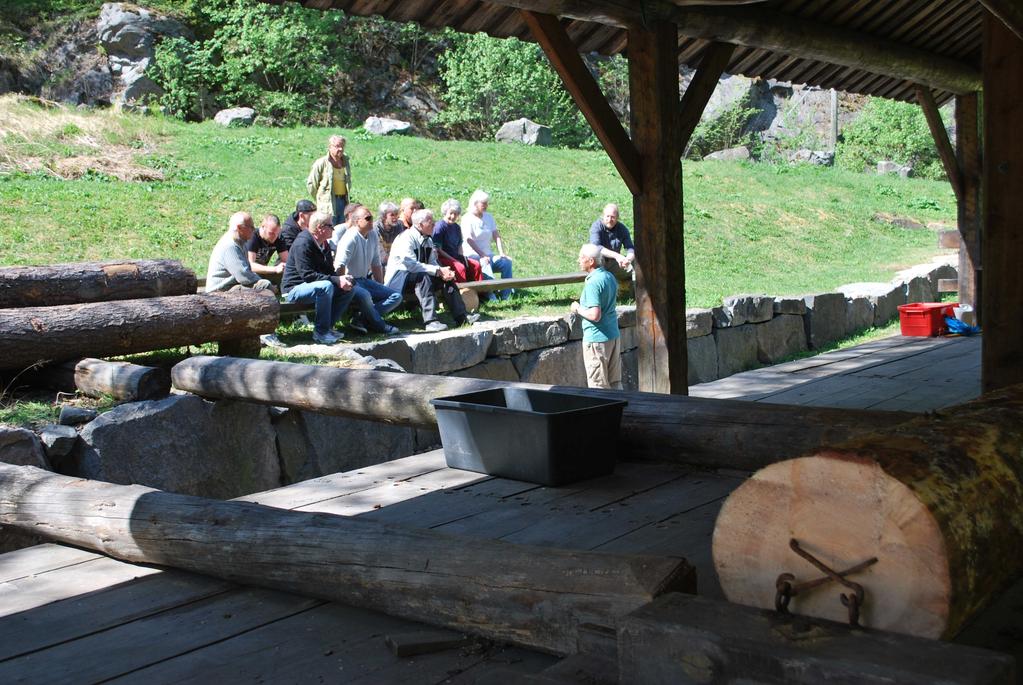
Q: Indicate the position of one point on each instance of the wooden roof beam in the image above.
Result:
(694, 100)
(768, 30)
(1009, 12)
(564, 57)
(940, 135)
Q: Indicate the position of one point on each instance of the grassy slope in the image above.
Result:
(749, 228)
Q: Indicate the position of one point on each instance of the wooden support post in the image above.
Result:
(941, 141)
(968, 150)
(1002, 363)
(565, 59)
(660, 263)
(694, 100)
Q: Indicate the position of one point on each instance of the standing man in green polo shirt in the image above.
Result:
(602, 350)
(330, 179)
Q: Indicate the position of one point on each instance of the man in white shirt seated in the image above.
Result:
(412, 267)
(358, 255)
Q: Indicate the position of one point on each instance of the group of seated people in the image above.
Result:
(334, 255)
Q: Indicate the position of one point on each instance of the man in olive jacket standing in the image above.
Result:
(330, 179)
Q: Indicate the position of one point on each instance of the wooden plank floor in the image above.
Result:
(896, 374)
(73, 616)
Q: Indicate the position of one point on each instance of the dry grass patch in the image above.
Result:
(38, 135)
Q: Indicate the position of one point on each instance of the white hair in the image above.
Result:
(318, 219)
(386, 207)
(479, 196)
(420, 216)
(590, 250)
(336, 139)
(450, 205)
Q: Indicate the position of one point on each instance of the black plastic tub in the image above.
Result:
(538, 436)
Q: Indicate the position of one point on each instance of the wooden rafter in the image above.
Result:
(565, 59)
(770, 30)
(940, 135)
(1009, 12)
(695, 99)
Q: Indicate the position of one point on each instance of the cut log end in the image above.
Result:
(842, 509)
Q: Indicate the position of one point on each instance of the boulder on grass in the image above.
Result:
(524, 131)
(236, 116)
(383, 126)
(732, 154)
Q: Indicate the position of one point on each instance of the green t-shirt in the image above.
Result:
(600, 290)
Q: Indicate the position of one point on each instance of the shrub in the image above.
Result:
(890, 130)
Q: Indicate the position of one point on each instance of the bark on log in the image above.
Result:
(526, 595)
(57, 284)
(935, 500)
(105, 329)
(122, 381)
(655, 427)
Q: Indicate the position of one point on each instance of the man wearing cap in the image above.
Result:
(330, 179)
(297, 222)
(229, 266)
(309, 277)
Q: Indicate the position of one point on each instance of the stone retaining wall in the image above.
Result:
(744, 332)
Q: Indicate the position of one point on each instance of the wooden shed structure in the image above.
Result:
(928, 51)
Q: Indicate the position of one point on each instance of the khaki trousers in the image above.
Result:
(603, 362)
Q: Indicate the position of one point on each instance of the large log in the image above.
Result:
(121, 381)
(655, 427)
(526, 595)
(936, 501)
(103, 329)
(56, 284)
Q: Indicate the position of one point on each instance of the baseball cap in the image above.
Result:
(305, 206)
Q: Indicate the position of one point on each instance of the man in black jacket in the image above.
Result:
(309, 277)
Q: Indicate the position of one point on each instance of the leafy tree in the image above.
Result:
(490, 81)
(891, 130)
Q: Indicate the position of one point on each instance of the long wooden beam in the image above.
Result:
(1009, 12)
(770, 30)
(564, 57)
(507, 592)
(941, 141)
(661, 428)
(696, 96)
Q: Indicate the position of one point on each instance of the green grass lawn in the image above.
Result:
(749, 228)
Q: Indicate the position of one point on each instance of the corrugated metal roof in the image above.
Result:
(945, 28)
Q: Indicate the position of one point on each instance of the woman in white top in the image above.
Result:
(478, 230)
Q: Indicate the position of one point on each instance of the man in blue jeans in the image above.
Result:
(358, 255)
(309, 277)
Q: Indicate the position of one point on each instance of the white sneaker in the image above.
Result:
(271, 340)
(435, 326)
(391, 331)
(470, 319)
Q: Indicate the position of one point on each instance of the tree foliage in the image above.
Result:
(890, 130)
(490, 81)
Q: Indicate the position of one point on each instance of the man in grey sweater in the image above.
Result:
(229, 265)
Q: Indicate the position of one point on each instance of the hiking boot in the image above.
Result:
(435, 326)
